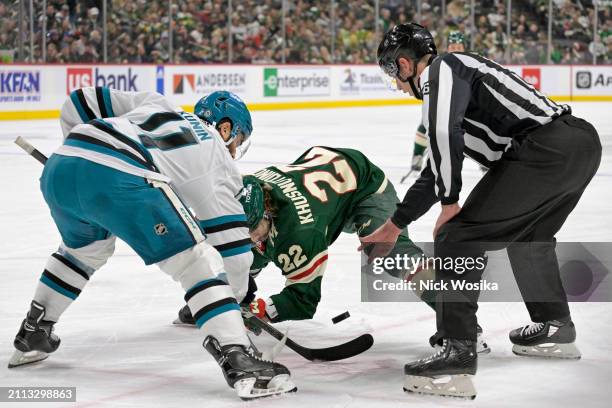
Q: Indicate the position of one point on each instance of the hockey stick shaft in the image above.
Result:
(31, 150)
(406, 176)
(268, 328)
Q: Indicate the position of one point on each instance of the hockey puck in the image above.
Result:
(341, 317)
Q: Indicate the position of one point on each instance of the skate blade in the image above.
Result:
(179, 322)
(281, 384)
(20, 358)
(567, 351)
(457, 386)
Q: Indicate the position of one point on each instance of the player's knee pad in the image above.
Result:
(91, 257)
(236, 275)
(208, 295)
(198, 263)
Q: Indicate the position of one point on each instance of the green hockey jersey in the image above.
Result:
(313, 198)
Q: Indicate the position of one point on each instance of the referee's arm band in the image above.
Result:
(399, 223)
(448, 200)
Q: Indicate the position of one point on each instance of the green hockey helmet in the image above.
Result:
(252, 200)
(456, 37)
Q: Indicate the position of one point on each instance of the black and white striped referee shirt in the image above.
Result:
(472, 106)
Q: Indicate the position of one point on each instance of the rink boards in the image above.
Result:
(37, 91)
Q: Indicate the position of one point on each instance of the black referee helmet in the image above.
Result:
(411, 41)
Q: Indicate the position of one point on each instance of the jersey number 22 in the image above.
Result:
(343, 181)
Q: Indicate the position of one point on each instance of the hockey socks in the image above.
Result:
(216, 311)
(60, 284)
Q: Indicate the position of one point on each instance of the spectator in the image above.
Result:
(138, 31)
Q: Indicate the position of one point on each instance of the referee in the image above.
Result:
(540, 160)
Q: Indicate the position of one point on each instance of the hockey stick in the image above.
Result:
(411, 171)
(31, 150)
(340, 352)
(406, 176)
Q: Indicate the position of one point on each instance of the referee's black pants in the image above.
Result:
(520, 204)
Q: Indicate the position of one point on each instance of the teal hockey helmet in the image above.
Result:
(223, 105)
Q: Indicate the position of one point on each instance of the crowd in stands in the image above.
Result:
(316, 31)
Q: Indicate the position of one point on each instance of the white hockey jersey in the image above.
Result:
(143, 134)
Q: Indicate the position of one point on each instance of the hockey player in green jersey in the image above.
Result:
(295, 212)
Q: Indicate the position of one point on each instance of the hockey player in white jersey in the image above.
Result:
(132, 166)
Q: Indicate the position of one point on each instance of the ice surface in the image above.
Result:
(120, 350)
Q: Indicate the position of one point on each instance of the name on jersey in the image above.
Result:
(196, 126)
(290, 191)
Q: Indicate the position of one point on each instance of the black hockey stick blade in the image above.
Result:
(340, 352)
(31, 150)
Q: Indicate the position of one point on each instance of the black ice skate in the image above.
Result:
(35, 339)
(446, 373)
(481, 344)
(552, 339)
(184, 317)
(249, 375)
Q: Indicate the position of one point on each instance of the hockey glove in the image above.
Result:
(264, 309)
